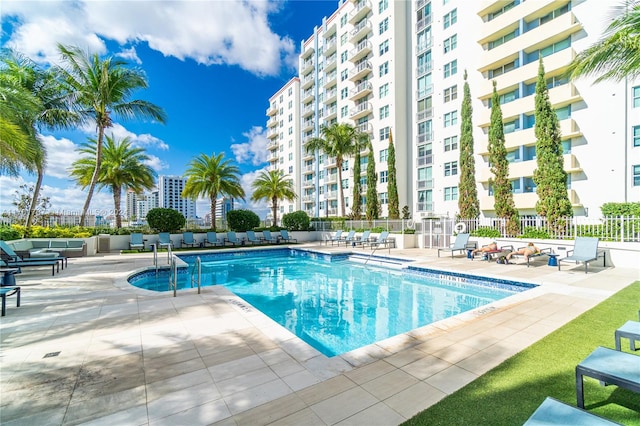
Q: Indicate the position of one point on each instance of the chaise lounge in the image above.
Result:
(584, 250)
(554, 412)
(9, 291)
(461, 244)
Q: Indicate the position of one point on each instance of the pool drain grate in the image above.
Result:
(51, 354)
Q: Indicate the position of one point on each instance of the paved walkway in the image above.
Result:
(87, 348)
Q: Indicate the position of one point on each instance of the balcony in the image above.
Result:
(424, 92)
(365, 128)
(272, 133)
(423, 47)
(272, 110)
(273, 158)
(360, 51)
(308, 198)
(361, 9)
(424, 184)
(423, 23)
(331, 63)
(308, 110)
(309, 183)
(331, 95)
(360, 91)
(308, 169)
(308, 125)
(525, 200)
(425, 160)
(360, 110)
(272, 145)
(307, 49)
(330, 112)
(425, 206)
(308, 96)
(424, 68)
(424, 114)
(306, 66)
(330, 79)
(362, 29)
(330, 46)
(499, 23)
(331, 178)
(361, 70)
(424, 138)
(272, 122)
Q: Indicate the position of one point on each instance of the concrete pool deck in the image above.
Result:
(87, 348)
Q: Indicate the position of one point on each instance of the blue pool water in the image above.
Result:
(334, 304)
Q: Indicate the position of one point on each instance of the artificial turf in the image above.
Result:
(510, 393)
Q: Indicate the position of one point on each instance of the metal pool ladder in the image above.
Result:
(197, 267)
(173, 276)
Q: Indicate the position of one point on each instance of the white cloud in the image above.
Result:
(118, 131)
(261, 208)
(156, 163)
(130, 55)
(209, 32)
(255, 150)
(61, 153)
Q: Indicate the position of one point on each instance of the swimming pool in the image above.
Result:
(334, 304)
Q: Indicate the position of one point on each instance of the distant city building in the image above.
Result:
(170, 196)
(53, 219)
(138, 205)
(396, 67)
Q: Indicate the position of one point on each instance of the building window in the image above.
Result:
(451, 119)
(383, 5)
(384, 69)
(501, 40)
(636, 136)
(343, 20)
(451, 18)
(451, 193)
(384, 90)
(503, 69)
(450, 43)
(384, 112)
(450, 144)
(636, 175)
(344, 93)
(384, 198)
(451, 93)
(451, 169)
(451, 68)
(384, 25)
(384, 154)
(344, 111)
(343, 39)
(636, 97)
(384, 47)
(384, 133)
(344, 74)
(384, 176)
(343, 57)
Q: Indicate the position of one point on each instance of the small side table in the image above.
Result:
(631, 331)
(553, 259)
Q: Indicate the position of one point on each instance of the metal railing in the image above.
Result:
(196, 273)
(173, 275)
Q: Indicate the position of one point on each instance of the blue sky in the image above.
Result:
(212, 65)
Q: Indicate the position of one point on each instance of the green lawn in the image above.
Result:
(510, 393)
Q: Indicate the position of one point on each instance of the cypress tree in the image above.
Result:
(550, 177)
(373, 210)
(503, 197)
(468, 204)
(392, 184)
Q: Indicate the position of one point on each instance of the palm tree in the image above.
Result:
(49, 111)
(273, 185)
(617, 54)
(123, 166)
(99, 89)
(212, 177)
(338, 141)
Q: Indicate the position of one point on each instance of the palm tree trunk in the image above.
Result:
(117, 194)
(213, 213)
(94, 177)
(34, 199)
(342, 206)
(274, 206)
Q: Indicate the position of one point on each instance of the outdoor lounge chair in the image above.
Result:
(349, 238)
(188, 240)
(136, 241)
(268, 238)
(251, 237)
(543, 252)
(11, 259)
(164, 240)
(493, 254)
(284, 236)
(231, 238)
(364, 238)
(610, 367)
(212, 239)
(8, 291)
(333, 238)
(554, 412)
(585, 249)
(382, 240)
(460, 244)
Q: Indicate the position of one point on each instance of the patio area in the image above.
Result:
(85, 347)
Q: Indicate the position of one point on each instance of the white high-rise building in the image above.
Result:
(138, 205)
(394, 66)
(170, 196)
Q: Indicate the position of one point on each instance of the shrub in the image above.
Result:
(486, 231)
(8, 233)
(296, 221)
(533, 232)
(165, 220)
(241, 220)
